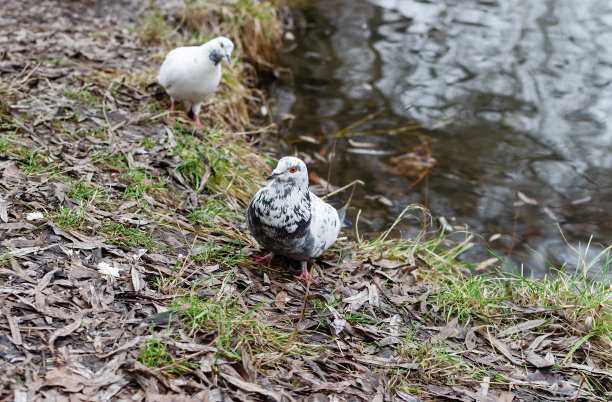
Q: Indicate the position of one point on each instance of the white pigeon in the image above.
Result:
(191, 73)
(287, 219)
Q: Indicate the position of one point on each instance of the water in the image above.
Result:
(512, 96)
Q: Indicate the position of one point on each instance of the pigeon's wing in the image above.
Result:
(174, 66)
(324, 228)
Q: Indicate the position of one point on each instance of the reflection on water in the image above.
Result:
(513, 96)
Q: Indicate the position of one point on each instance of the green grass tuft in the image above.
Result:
(127, 236)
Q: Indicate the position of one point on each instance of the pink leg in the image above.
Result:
(197, 120)
(305, 275)
(266, 258)
(171, 106)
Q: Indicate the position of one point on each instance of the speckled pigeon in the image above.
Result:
(287, 219)
(191, 73)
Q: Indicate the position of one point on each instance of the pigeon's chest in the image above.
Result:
(274, 218)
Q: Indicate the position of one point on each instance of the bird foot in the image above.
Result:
(197, 121)
(265, 258)
(306, 276)
(171, 107)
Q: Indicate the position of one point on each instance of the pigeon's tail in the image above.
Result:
(345, 223)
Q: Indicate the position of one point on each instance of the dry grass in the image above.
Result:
(252, 24)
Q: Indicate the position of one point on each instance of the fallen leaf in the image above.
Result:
(388, 264)
(137, 282)
(485, 264)
(13, 323)
(63, 331)
(538, 361)
(504, 349)
(62, 377)
(3, 210)
(34, 216)
(373, 297)
(333, 386)
(106, 269)
(359, 298)
(250, 387)
(524, 326)
(449, 328)
(281, 299)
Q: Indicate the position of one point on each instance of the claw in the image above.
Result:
(266, 258)
(305, 275)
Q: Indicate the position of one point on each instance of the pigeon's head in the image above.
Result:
(290, 170)
(219, 48)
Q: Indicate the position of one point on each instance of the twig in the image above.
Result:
(514, 226)
(269, 127)
(111, 133)
(331, 161)
(297, 326)
(342, 132)
(579, 387)
(31, 132)
(571, 246)
(353, 183)
(346, 205)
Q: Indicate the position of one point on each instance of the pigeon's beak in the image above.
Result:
(229, 59)
(272, 175)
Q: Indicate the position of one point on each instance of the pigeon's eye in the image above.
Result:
(293, 169)
(221, 44)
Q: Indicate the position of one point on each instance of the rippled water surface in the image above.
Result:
(512, 96)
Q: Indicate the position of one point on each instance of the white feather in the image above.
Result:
(189, 74)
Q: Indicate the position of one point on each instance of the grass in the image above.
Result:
(227, 255)
(214, 210)
(127, 236)
(12, 144)
(82, 94)
(153, 29)
(232, 327)
(253, 25)
(67, 217)
(35, 162)
(571, 298)
(111, 161)
(5, 258)
(143, 183)
(220, 164)
(572, 293)
(82, 191)
(156, 354)
(220, 322)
